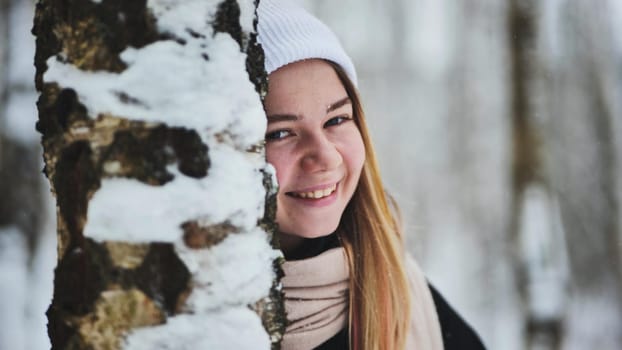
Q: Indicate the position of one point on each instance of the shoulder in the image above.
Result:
(457, 334)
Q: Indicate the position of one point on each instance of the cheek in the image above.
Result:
(354, 151)
(280, 161)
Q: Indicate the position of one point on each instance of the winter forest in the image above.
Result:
(498, 127)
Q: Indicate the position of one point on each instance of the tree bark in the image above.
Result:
(150, 230)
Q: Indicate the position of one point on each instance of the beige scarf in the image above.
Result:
(316, 301)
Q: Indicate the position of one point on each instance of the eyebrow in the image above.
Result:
(275, 118)
(344, 101)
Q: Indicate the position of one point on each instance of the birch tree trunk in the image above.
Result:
(152, 131)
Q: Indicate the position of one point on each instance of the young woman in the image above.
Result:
(348, 280)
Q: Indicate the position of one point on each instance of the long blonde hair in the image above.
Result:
(371, 235)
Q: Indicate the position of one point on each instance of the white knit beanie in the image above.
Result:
(288, 33)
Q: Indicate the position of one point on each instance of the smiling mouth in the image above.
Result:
(317, 194)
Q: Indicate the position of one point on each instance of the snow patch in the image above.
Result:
(232, 191)
(171, 83)
(177, 83)
(228, 284)
(247, 15)
(232, 328)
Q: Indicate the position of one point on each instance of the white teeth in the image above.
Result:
(316, 194)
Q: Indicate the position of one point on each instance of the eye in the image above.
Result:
(337, 120)
(278, 135)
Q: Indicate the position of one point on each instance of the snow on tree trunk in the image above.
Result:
(152, 129)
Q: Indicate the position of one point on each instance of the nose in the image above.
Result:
(320, 154)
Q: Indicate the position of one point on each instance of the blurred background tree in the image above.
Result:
(499, 130)
(27, 234)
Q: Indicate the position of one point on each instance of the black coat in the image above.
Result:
(457, 334)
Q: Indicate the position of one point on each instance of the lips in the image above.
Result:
(317, 192)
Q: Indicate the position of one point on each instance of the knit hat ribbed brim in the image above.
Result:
(288, 33)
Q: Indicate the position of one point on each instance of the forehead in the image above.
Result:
(301, 85)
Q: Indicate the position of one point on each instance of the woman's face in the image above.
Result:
(315, 146)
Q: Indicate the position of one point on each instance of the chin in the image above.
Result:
(316, 232)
